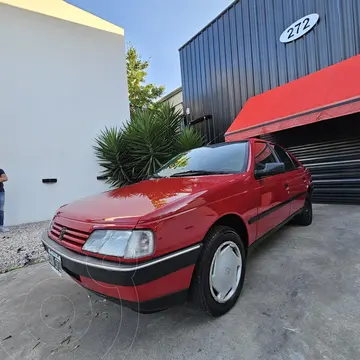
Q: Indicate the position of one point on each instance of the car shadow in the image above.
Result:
(265, 245)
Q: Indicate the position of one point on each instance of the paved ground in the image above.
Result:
(300, 301)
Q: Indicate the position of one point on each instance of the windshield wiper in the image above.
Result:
(197, 172)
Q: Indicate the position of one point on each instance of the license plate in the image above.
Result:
(55, 261)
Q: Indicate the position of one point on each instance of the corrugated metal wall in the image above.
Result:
(330, 149)
(335, 169)
(239, 54)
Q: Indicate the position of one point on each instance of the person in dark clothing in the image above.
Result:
(3, 178)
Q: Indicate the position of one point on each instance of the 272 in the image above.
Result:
(296, 28)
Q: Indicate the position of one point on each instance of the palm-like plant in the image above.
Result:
(146, 142)
(188, 139)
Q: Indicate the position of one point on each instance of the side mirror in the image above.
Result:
(270, 169)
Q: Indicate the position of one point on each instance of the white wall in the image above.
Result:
(60, 84)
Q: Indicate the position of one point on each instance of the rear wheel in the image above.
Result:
(306, 216)
(219, 274)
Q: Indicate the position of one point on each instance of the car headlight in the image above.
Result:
(121, 243)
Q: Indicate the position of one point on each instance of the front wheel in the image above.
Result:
(219, 274)
(305, 218)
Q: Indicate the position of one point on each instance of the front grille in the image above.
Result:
(71, 238)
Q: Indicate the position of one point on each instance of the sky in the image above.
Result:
(157, 29)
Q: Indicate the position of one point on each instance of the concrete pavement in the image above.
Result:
(300, 301)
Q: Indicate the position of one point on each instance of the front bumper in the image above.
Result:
(148, 286)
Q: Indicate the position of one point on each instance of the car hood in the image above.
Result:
(150, 199)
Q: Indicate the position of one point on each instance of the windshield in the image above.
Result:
(217, 159)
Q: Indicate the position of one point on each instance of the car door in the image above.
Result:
(274, 207)
(296, 179)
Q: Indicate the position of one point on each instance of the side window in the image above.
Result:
(263, 155)
(285, 158)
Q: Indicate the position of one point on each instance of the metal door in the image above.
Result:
(335, 169)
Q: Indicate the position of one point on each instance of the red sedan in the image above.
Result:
(185, 233)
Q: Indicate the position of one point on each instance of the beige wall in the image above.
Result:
(175, 100)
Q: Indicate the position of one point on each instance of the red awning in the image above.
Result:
(325, 94)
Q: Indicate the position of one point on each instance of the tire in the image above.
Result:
(222, 245)
(305, 218)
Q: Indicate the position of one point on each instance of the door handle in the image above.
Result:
(286, 186)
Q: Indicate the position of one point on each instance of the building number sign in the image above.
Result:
(299, 28)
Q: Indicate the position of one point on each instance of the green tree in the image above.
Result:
(141, 95)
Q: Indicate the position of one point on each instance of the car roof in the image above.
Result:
(238, 142)
(226, 143)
